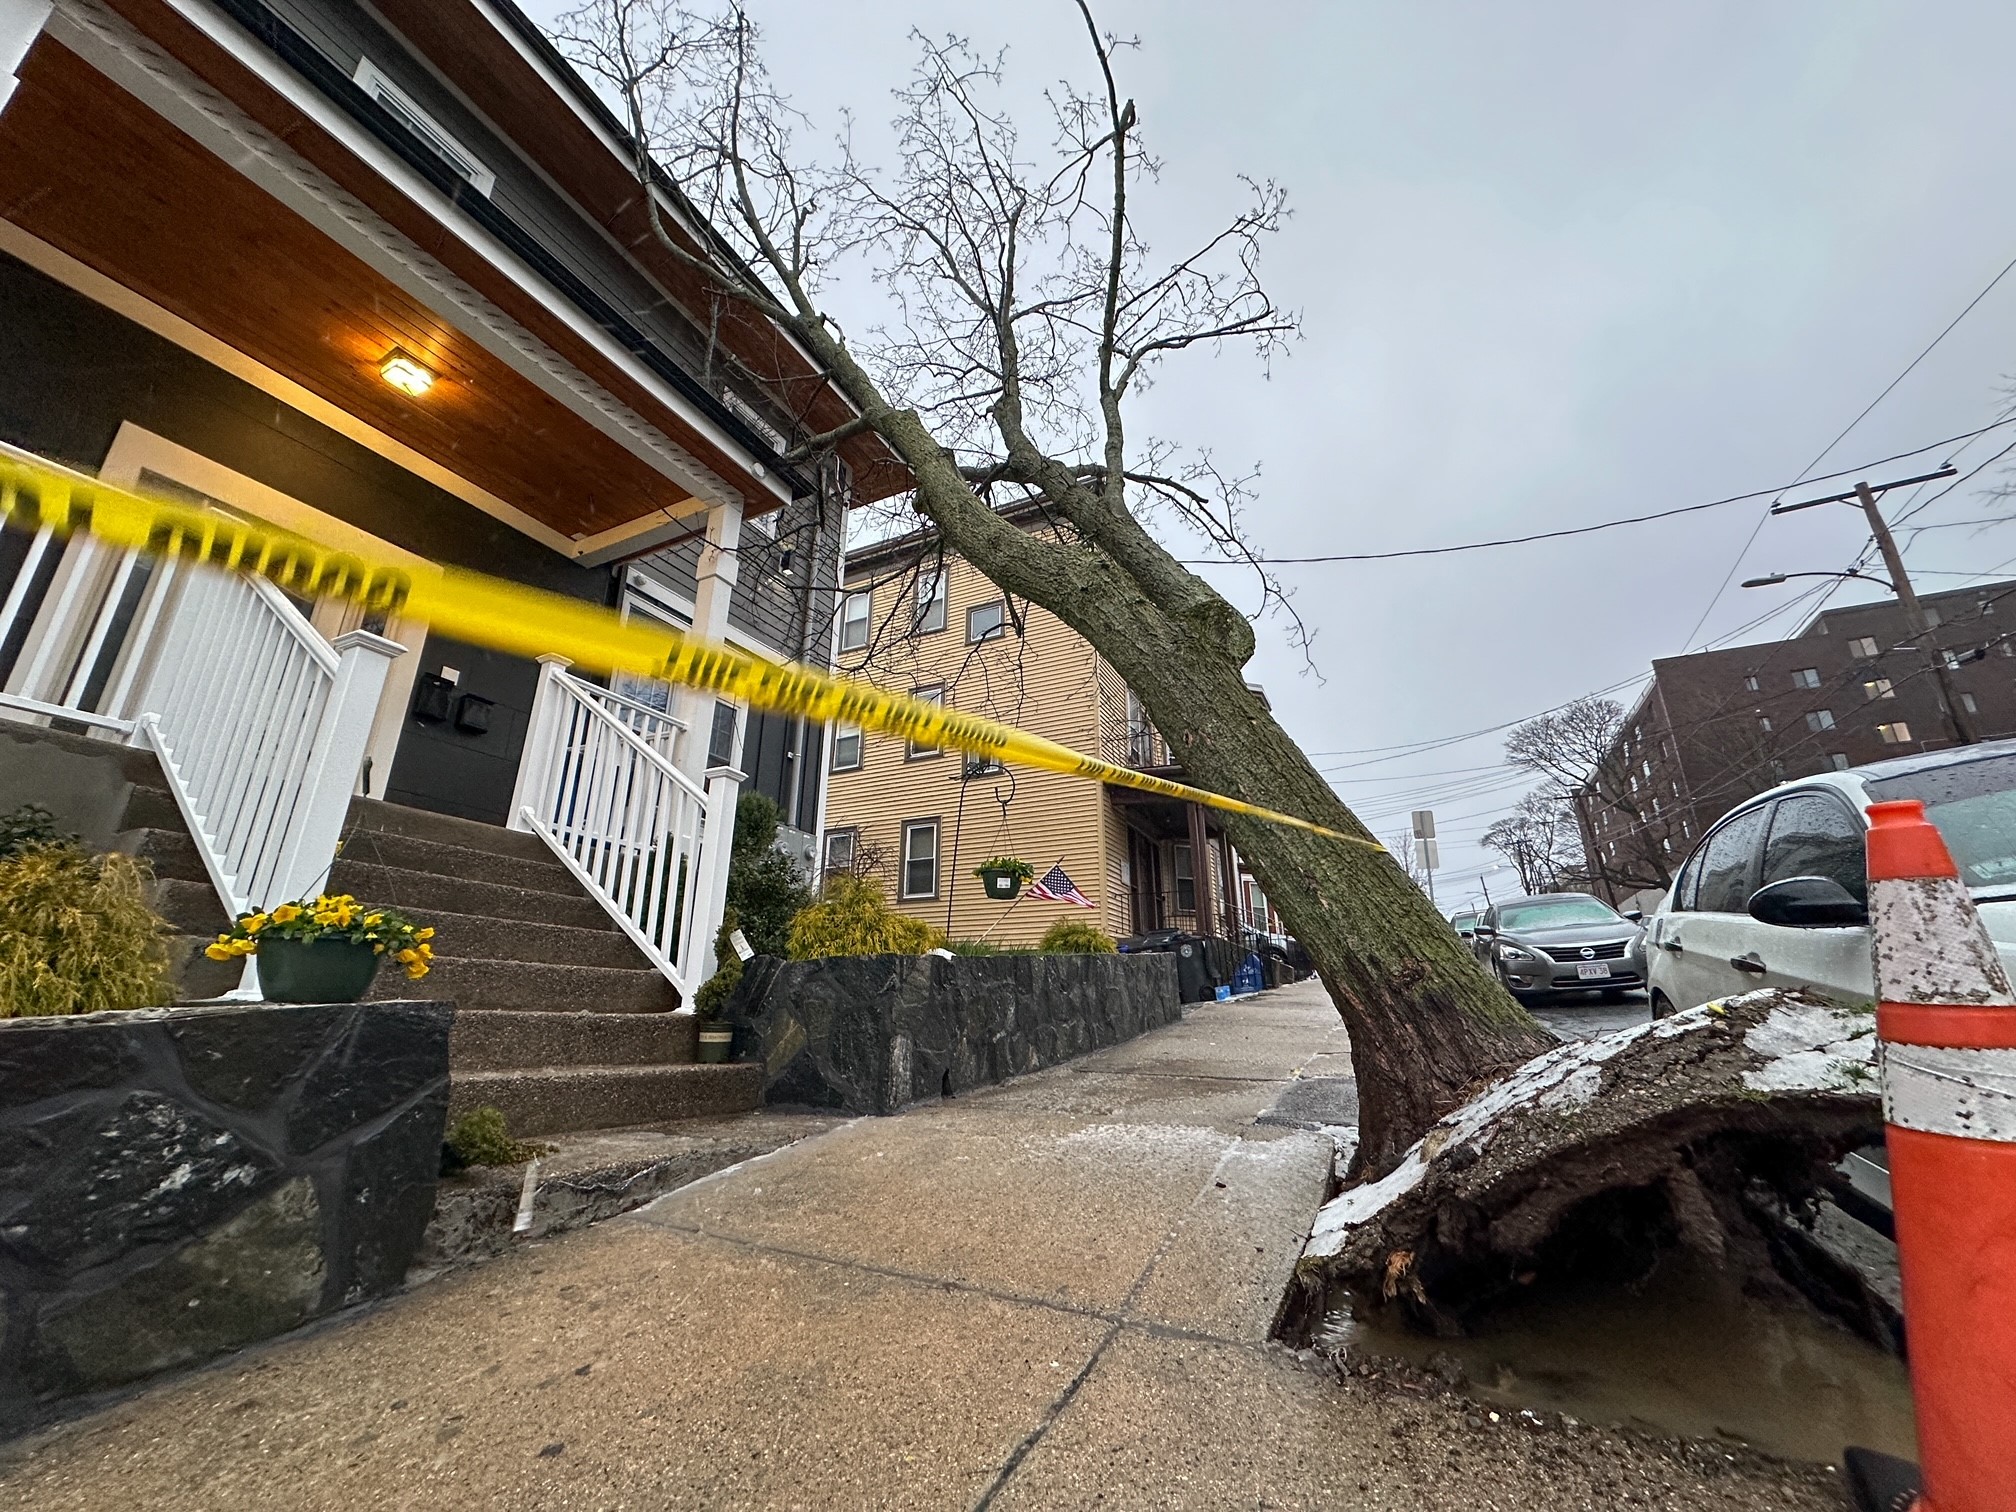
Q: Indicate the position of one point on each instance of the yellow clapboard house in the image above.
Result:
(917, 619)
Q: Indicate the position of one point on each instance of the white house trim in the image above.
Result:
(21, 22)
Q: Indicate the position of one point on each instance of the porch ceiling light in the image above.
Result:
(405, 373)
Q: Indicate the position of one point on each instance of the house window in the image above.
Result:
(1806, 677)
(1932, 620)
(1186, 881)
(1820, 719)
(840, 847)
(918, 749)
(433, 136)
(1750, 682)
(847, 748)
(854, 622)
(1878, 688)
(982, 766)
(985, 622)
(930, 601)
(1863, 646)
(1764, 723)
(1967, 703)
(920, 858)
(1955, 660)
(1894, 734)
(1838, 761)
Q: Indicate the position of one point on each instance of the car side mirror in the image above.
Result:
(1807, 903)
(1485, 932)
(1635, 915)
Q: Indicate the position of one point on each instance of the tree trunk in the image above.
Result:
(1428, 1026)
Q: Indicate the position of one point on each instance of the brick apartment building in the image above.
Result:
(1717, 727)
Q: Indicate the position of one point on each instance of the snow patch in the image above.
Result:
(1810, 1047)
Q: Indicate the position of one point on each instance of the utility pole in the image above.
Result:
(1914, 616)
(1865, 497)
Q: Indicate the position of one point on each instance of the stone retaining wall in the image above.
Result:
(176, 1182)
(871, 1033)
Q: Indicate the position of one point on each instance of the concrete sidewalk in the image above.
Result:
(1054, 1294)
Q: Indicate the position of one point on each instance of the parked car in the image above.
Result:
(1561, 942)
(1465, 924)
(1776, 894)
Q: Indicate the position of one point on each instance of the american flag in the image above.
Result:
(1058, 888)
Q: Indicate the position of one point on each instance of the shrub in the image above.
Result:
(975, 948)
(27, 826)
(717, 989)
(76, 934)
(480, 1137)
(764, 887)
(852, 918)
(1075, 937)
(1019, 869)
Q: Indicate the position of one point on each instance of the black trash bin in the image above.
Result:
(1196, 982)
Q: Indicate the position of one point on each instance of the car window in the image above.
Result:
(1814, 835)
(1555, 914)
(1726, 864)
(1687, 885)
(1974, 805)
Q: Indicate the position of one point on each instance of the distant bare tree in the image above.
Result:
(1029, 312)
(1578, 749)
(1541, 840)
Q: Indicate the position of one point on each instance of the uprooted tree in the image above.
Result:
(1027, 313)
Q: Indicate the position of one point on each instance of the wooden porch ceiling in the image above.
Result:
(89, 169)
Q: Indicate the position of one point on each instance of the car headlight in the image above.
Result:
(1516, 953)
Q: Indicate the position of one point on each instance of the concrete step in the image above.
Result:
(605, 1097)
(407, 853)
(478, 985)
(191, 908)
(521, 940)
(505, 1039)
(443, 829)
(170, 852)
(137, 764)
(424, 893)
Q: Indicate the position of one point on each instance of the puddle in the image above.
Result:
(1685, 1352)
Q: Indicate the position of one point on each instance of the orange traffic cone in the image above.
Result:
(1947, 1022)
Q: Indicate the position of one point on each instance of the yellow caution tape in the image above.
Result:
(530, 622)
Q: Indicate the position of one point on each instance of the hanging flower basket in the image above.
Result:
(325, 949)
(1003, 877)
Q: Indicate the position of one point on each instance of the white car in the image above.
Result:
(1775, 895)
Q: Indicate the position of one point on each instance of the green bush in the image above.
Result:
(852, 918)
(764, 887)
(1075, 937)
(76, 934)
(480, 1137)
(717, 989)
(27, 826)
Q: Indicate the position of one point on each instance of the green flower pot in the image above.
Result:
(1002, 885)
(717, 1041)
(316, 971)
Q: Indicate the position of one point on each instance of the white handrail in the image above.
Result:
(634, 830)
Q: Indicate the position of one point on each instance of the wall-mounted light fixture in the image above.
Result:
(405, 373)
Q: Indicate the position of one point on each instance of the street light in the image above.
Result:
(1772, 579)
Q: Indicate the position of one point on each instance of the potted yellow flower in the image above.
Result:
(325, 949)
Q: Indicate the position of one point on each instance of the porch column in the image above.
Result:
(21, 22)
(714, 586)
(1200, 873)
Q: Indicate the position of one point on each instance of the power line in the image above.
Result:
(1736, 566)
(1579, 530)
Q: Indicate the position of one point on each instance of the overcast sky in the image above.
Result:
(1557, 263)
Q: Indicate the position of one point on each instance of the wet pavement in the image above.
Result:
(1576, 1017)
(1053, 1294)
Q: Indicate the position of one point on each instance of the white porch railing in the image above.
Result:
(261, 726)
(600, 784)
(259, 723)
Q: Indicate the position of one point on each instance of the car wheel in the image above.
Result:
(1662, 1005)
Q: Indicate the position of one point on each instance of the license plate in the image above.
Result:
(1592, 971)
